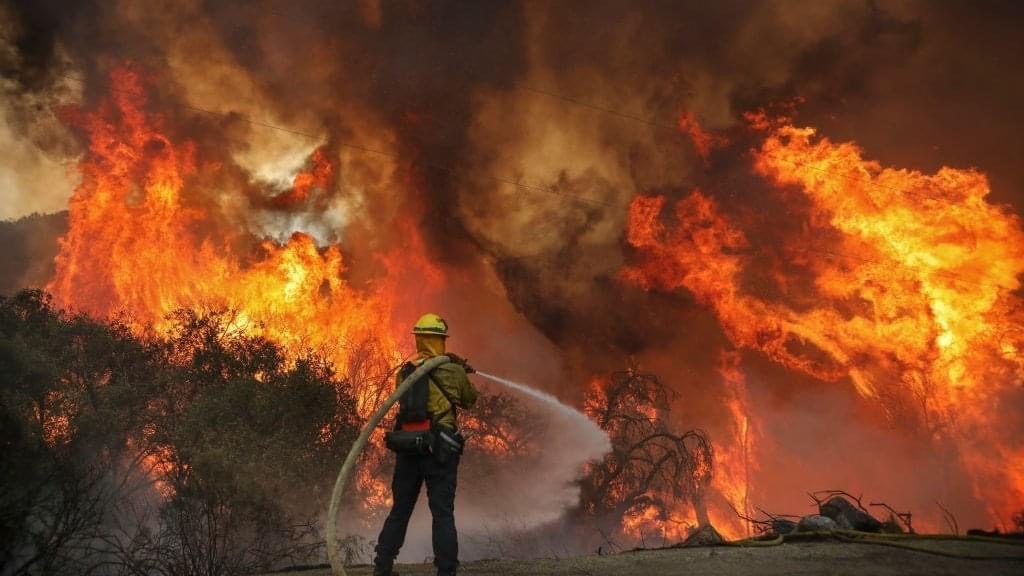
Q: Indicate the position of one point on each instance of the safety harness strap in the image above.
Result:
(451, 403)
(413, 404)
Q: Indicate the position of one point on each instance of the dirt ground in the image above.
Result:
(790, 559)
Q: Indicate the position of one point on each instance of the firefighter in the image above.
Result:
(428, 445)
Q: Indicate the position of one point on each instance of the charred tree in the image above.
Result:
(651, 467)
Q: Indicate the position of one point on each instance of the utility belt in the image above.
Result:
(422, 438)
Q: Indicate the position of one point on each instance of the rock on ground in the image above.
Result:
(816, 523)
(848, 516)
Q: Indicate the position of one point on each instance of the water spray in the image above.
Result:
(337, 566)
(568, 411)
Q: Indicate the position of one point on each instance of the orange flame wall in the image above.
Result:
(914, 298)
(145, 237)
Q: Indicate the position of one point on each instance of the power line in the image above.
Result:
(455, 171)
(610, 111)
(299, 17)
(676, 131)
(567, 99)
(253, 122)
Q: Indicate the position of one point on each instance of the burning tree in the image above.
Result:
(651, 470)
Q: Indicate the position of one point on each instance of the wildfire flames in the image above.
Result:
(141, 241)
(904, 285)
(910, 292)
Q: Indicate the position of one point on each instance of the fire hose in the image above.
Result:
(337, 566)
(891, 540)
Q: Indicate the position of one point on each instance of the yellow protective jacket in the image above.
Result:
(453, 378)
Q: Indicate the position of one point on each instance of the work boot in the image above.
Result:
(384, 570)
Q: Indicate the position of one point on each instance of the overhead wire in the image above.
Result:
(677, 131)
(462, 173)
(302, 21)
(455, 171)
(922, 195)
(569, 100)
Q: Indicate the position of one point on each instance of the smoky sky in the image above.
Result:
(472, 91)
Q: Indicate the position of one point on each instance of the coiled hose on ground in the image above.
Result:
(891, 540)
(337, 566)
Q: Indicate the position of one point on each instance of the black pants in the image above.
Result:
(410, 473)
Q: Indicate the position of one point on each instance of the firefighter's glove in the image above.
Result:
(460, 361)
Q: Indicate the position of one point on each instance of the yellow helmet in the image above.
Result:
(431, 324)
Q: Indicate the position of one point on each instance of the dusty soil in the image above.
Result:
(790, 559)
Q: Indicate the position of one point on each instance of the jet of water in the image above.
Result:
(586, 425)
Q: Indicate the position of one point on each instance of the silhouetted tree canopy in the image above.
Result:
(205, 450)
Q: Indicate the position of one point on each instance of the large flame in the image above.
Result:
(735, 459)
(912, 294)
(145, 238)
